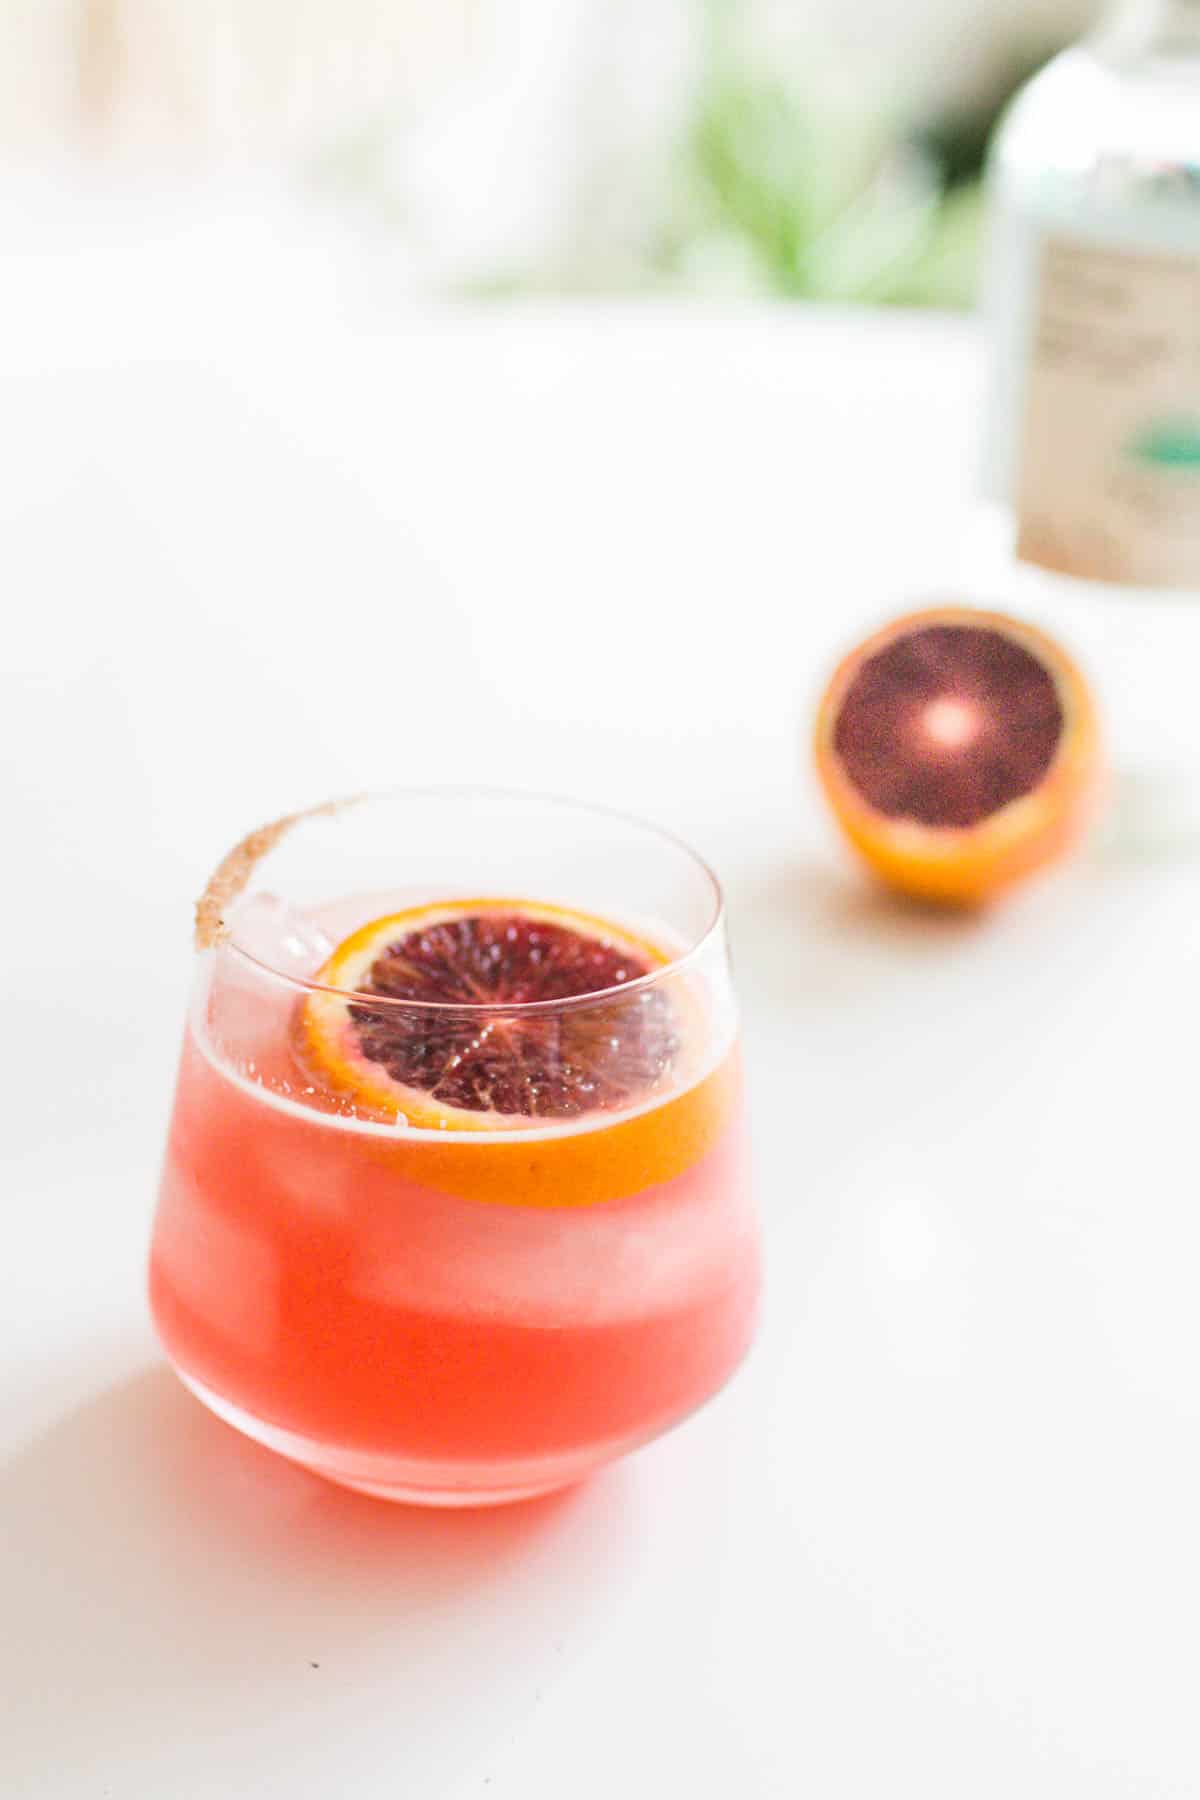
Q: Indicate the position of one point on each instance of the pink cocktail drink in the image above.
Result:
(363, 1261)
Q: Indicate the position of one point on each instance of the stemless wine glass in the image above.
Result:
(455, 1206)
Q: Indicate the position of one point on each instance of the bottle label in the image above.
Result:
(1108, 465)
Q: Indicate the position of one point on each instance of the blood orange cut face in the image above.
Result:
(959, 752)
(947, 724)
(437, 1019)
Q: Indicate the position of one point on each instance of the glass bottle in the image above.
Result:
(1092, 448)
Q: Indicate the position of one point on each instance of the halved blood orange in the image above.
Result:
(959, 750)
(468, 1048)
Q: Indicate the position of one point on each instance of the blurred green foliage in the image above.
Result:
(770, 187)
(772, 197)
(775, 193)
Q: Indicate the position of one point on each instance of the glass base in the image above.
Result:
(416, 1484)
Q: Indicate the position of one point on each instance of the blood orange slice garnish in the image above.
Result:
(959, 751)
(436, 1017)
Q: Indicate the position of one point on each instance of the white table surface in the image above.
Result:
(940, 1537)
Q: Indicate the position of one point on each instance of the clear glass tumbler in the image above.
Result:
(455, 1206)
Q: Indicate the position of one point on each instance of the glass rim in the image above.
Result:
(248, 857)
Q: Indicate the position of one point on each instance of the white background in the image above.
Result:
(940, 1537)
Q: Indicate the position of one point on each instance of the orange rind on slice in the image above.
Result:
(489, 1014)
(959, 751)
